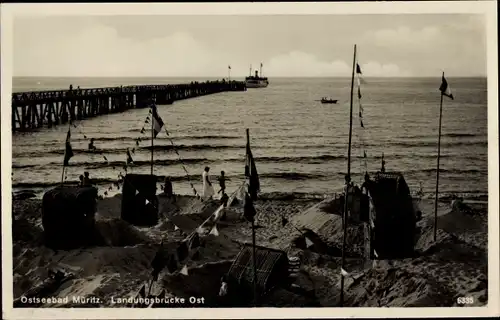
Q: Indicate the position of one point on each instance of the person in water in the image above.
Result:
(208, 189)
(222, 182)
(91, 145)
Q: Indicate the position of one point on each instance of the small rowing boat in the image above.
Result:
(328, 101)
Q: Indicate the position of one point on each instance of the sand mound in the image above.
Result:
(118, 233)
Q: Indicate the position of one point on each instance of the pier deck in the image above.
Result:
(36, 109)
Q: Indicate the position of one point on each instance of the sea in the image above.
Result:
(300, 146)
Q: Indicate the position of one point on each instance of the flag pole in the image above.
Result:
(347, 186)
(62, 176)
(254, 258)
(437, 171)
(65, 150)
(152, 137)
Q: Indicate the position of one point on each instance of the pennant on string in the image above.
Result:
(375, 253)
(133, 150)
(137, 142)
(184, 270)
(364, 154)
(359, 93)
(129, 157)
(105, 193)
(137, 192)
(85, 136)
(214, 231)
(142, 130)
(149, 111)
(110, 188)
(344, 273)
(106, 159)
(360, 115)
(176, 228)
(147, 201)
(309, 243)
(142, 291)
(362, 125)
(74, 125)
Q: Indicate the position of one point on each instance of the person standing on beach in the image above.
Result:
(222, 182)
(208, 189)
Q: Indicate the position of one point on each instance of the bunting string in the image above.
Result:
(182, 162)
(361, 135)
(131, 151)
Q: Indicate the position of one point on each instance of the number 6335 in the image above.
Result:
(465, 300)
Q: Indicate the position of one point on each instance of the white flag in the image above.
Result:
(184, 270)
(136, 192)
(176, 227)
(214, 231)
(344, 273)
(309, 243)
(217, 212)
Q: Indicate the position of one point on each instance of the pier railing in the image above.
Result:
(36, 109)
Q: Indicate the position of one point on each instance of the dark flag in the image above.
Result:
(248, 209)
(68, 153)
(157, 121)
(251, 173)
(129, 157)
(159, 262)
(445, 88)
(358, 69)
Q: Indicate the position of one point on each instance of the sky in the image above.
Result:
(415, 45)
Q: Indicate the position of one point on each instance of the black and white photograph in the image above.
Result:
(228, 156)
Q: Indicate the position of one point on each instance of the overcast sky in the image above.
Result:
(288, 46)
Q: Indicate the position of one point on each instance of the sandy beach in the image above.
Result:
(120, 261)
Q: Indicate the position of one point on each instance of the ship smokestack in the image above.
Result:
(256, 73)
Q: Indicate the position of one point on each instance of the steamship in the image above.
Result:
(256, 81)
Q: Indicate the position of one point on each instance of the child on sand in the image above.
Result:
(222, 182)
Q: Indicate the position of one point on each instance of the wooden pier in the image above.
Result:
(32, 110)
